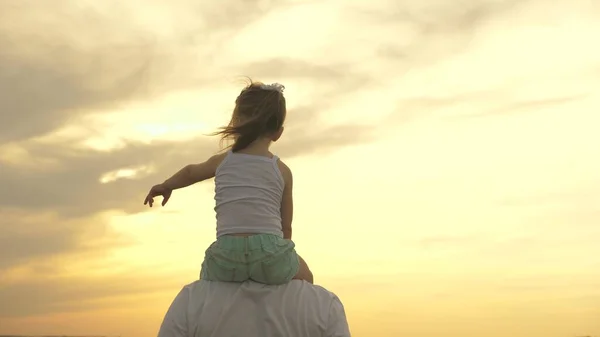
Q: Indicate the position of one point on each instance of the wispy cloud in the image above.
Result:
(525, 106)
(76, 293)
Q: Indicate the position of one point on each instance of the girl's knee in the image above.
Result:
(304, 272)
(309, 276)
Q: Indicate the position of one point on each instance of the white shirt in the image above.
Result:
(249, 309)
(248, 193)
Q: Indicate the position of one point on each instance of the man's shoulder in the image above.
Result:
(319, 290)
(294, 284)
(294, 287)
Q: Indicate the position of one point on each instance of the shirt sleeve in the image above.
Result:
(338, 324)
(175, 321)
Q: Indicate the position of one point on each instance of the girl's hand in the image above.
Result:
(157, 190)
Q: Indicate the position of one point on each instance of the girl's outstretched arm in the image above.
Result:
(287, 201)
(194, 173)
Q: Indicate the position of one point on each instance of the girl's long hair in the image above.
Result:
(258, 112)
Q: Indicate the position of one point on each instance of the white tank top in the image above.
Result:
(248, 192)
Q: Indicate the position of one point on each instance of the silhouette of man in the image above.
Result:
(249, 309)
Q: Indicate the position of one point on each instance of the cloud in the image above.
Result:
(47, 78)
(428, 32)
(42, 248)
(287, 67)
(36, 295)
(72, 193)
(73, 187)
(25, 237)
(95, 58)
(583, 193)
(447, 241)
(525, 106)
(443, 39)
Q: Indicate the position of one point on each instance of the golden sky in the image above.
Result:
(446, 157)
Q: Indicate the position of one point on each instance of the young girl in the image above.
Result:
(253, 194)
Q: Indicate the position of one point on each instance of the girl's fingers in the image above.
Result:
(149, 200)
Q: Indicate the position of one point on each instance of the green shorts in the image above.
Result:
(263, 258)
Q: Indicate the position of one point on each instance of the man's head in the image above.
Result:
(250, 309)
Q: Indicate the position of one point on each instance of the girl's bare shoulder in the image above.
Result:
(286, 172)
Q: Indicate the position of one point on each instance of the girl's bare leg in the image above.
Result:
(304, 272)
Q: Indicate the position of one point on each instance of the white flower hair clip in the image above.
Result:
(273, 86)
